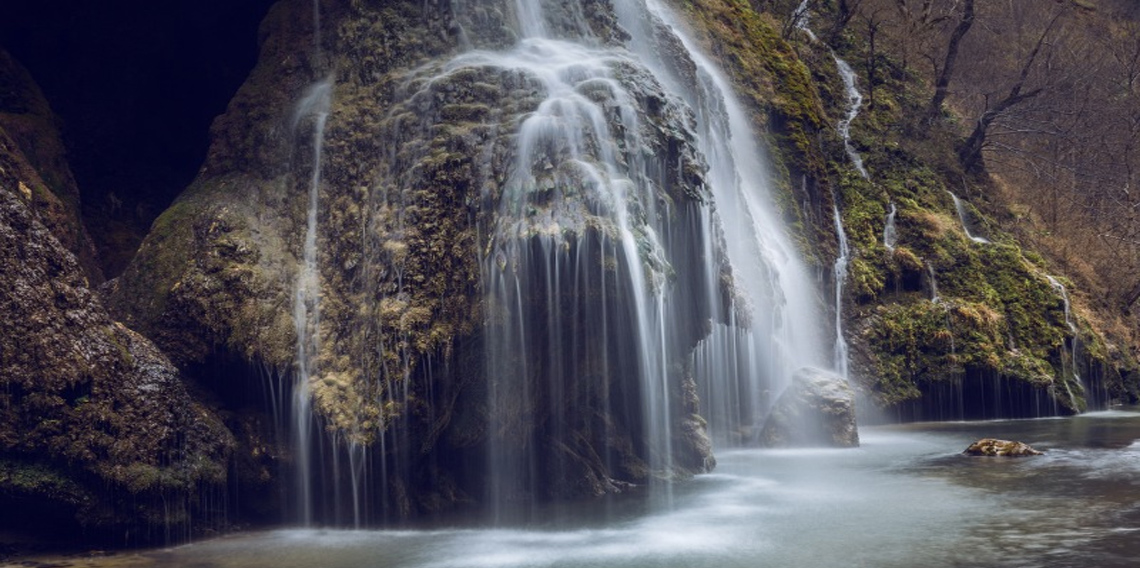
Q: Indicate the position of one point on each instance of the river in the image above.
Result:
(906, 498)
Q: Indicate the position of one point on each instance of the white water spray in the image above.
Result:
(840, 269)
(963, 216)
(890, 232)
(314, 105)
(854, 103)
(1074, 337)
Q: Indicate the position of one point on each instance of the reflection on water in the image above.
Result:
(906, 498)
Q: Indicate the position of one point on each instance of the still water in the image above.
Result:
(906, 498)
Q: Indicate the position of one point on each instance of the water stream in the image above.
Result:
(1074, 338)
(905, 498)
(314, 106)
(964, 216)
(854, 104)
(890, 232)
(840, 280)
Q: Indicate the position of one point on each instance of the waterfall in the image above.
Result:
(1074, 337)
(772, 328)
(854, 102)
(314, 105)
(963, 215)
(632, 261)
(840, 280)
(890, 233)
(598, 273)
(934, 297)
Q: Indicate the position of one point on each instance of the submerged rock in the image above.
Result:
(995, 447)
(817, 409)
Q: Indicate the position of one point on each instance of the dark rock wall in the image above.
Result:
(134, 85)
(45, 176)
(96, 426)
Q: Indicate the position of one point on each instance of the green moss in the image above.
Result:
(19, 478)
(775, 83)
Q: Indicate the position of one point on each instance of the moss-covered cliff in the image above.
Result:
(417, 162)
(942, 326)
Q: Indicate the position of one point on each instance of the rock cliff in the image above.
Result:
(96, 426)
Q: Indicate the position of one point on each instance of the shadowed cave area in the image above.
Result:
(135, 85)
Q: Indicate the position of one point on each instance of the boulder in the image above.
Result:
(1005, 448)
(817, 409)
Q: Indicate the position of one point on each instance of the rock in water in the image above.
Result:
(995, 447)
(817, 409)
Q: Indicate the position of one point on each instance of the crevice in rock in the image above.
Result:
(136, 85)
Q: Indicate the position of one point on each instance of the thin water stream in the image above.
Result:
(905, 498)
(964, 216)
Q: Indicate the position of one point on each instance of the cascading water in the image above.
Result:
(771, 328)
(314, 105)
(574, 175)
(963, 216)
(840, 280)
(854, 103)
(802, 17)
(598, 270)
(890, 232)
(1074, 337)
(631, 261)
(932, 275)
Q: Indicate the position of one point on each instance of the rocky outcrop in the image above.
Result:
(1004, 448)
(44, 178)
(817, 409)
(418, 153)
(96, 426)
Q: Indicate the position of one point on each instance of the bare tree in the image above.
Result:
(970, 154)
(942, 86)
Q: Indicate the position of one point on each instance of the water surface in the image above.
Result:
(906, 498)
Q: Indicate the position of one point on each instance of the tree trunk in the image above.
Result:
(970, 154)
(942, 86)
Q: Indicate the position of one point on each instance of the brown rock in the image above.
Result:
(1005, 448)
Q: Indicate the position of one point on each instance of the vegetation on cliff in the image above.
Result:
(941, 311)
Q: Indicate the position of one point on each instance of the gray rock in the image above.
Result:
(817, 409)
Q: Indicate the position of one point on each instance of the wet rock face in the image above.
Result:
(94, 421)
(1003, 448)
(817, 409)
(419, 156)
